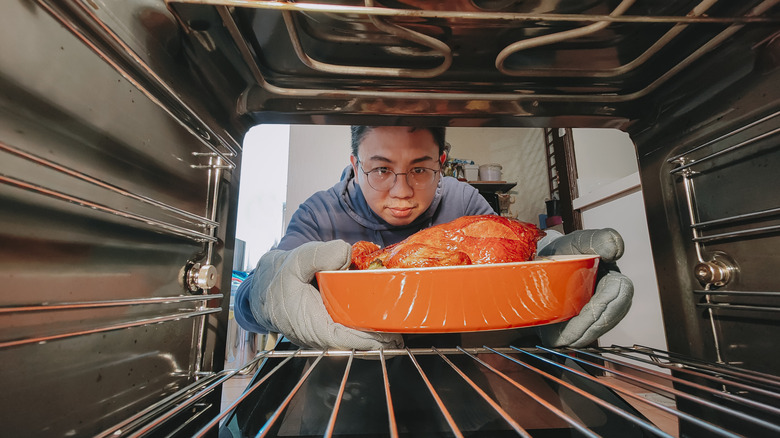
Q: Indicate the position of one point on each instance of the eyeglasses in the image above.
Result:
(383, 179)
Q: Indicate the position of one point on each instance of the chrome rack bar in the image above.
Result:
(174, 403)
(202, 130)
(727, 150)
(388, 398)
(741, 307)
(386, 352)
(43, 307)
(736, 218)
(190, 392)
(214, 179)
(520, 431)
(562, 415)
(737, 293)
(683, 370)
(721, 394)
(339, 397)
(246, 393)
(683, 395)
(137, 323)
(266, 427)
(436, 398)
(680, 414)
(725, 136)
(183, 114)
(199, 220)
(608, 406)
(161, 226)
(748, 232)
(720, 368)
(500, 16)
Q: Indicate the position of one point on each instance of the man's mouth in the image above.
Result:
(400, 212)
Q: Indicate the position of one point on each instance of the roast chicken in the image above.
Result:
(464, 241)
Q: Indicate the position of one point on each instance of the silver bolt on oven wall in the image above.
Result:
(120, 132)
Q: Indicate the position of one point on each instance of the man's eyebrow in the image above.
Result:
(422, 159)
(389, 161)
(380, 158)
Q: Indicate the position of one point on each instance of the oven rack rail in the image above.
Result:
(80, 19)
(684, 166)
(378, 16)
(748, 397)
(190, 225)
(199, 301)
(760, 223)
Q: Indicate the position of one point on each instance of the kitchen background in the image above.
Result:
(284, 164)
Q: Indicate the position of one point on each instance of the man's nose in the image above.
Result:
(401, 188)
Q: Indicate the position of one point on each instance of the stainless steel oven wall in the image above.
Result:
(106, 194)
(711, 184)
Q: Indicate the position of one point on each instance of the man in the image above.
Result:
(392, 189)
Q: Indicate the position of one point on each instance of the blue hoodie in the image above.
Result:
(342, 212)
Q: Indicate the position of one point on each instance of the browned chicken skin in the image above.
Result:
(464, 241)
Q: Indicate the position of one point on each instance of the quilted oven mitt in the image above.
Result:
(612, 296)
(284, 300)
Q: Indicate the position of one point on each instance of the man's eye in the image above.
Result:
(381, 171)
(419, 170)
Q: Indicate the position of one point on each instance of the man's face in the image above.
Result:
(397, 149)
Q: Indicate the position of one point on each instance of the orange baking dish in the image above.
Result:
(460, 298)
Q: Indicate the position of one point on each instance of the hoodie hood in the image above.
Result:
(355, 204)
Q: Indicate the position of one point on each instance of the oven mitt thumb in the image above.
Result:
(611, 299)
(284, 300)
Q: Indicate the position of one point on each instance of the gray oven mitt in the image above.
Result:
(611, 299)
(284, 300)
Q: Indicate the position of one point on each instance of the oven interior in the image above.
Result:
(121, 127)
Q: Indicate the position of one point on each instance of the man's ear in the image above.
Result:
(353, 160)
(445, 153)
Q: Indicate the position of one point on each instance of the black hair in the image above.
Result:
(360, 132)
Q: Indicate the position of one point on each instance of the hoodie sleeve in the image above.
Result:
(242, 309)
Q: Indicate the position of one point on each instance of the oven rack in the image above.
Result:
(380, 16)
(667, 394)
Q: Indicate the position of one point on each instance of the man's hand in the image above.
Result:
(611, 299)
(284, 300)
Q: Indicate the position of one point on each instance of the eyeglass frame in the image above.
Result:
(395, 175)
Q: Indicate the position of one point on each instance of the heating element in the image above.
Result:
(615, 391)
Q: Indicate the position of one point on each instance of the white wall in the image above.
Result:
(611, 196)
(603, 156)
(262, 190)
(318, 154)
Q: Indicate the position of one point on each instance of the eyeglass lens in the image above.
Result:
(385, 179)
